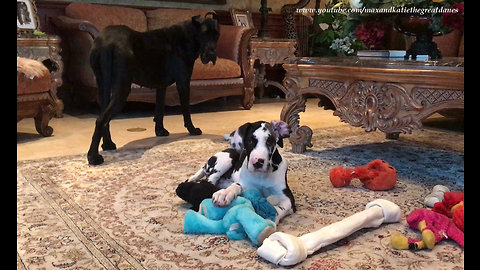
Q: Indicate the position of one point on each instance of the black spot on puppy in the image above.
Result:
(276, 160)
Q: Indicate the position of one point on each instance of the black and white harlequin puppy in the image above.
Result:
(252, 161)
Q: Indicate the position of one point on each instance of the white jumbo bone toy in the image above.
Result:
(285, 249)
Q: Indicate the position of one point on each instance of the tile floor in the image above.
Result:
(134, 127)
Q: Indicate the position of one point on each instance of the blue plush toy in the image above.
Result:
(247, 215)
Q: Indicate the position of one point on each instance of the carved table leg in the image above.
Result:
(250, 81)
(261, 80)
(55, 49)
(42, 118)
(300, 137)
(392, 136)
(248, 98)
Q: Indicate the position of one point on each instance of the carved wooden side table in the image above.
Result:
(45, 49)
(271, 52)
(393, 96)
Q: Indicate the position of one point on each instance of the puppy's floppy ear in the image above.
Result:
(242, 131)
(282, 130)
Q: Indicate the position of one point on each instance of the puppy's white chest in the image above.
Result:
(268, 183)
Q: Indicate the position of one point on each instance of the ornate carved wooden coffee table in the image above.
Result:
(393, 96)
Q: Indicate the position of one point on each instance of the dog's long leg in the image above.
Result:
(101, 63)
(160, 112)
(183, 89)
(108, 144)
(120, 88)
(93, 156)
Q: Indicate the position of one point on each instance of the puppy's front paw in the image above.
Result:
(223, 197)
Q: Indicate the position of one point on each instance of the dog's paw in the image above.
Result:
(223, 197)
(194, 131)
(109, 146)
(95, 159)
(161, 132)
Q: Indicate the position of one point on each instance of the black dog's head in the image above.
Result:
(207, 33)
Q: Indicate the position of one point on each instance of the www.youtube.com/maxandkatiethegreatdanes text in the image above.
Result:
(364, 10)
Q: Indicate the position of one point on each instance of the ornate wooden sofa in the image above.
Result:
(34, 97)
(82, 22)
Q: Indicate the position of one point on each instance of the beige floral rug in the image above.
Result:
(124, 214)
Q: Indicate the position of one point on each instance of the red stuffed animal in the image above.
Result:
(375, 175)
(452, 207)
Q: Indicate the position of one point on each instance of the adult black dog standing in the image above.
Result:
(154, 59)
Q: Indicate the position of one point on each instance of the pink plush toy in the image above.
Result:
(434, 227)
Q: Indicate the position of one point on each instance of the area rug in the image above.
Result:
(124, 214)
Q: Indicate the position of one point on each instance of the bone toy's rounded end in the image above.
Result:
(283, 249)
(391, 211)
(436, 195)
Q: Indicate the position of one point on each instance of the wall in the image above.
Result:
(251, 5)
(275, 25)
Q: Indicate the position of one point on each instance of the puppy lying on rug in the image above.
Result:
(252, 161)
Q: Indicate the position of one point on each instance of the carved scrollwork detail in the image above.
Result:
(385, 106)
(300, 137)
(292, 87)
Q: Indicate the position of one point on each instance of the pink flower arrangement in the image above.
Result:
(371, 33)
(455, 20)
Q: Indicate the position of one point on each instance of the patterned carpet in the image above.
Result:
(124, 214)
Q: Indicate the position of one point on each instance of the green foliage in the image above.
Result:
(336, 39)
(338, 29)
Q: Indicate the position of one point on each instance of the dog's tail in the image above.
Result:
(101, 60)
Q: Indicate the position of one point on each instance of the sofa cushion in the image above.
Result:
(223, 69)
(32, 77)
(229, 41)
(165, 17)
(102, 15)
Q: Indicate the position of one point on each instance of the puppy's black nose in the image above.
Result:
(259, 163)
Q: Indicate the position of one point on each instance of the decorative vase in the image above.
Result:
(418, 26)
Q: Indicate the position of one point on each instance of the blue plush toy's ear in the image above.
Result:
(264, 209)
(260, 204)
(251, 194)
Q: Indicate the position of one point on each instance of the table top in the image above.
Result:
(257, 39)
(37, 40)
(444, 64)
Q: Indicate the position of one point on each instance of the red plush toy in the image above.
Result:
(375, 175)
(452, 206)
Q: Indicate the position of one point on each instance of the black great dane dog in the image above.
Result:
(154, 59)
